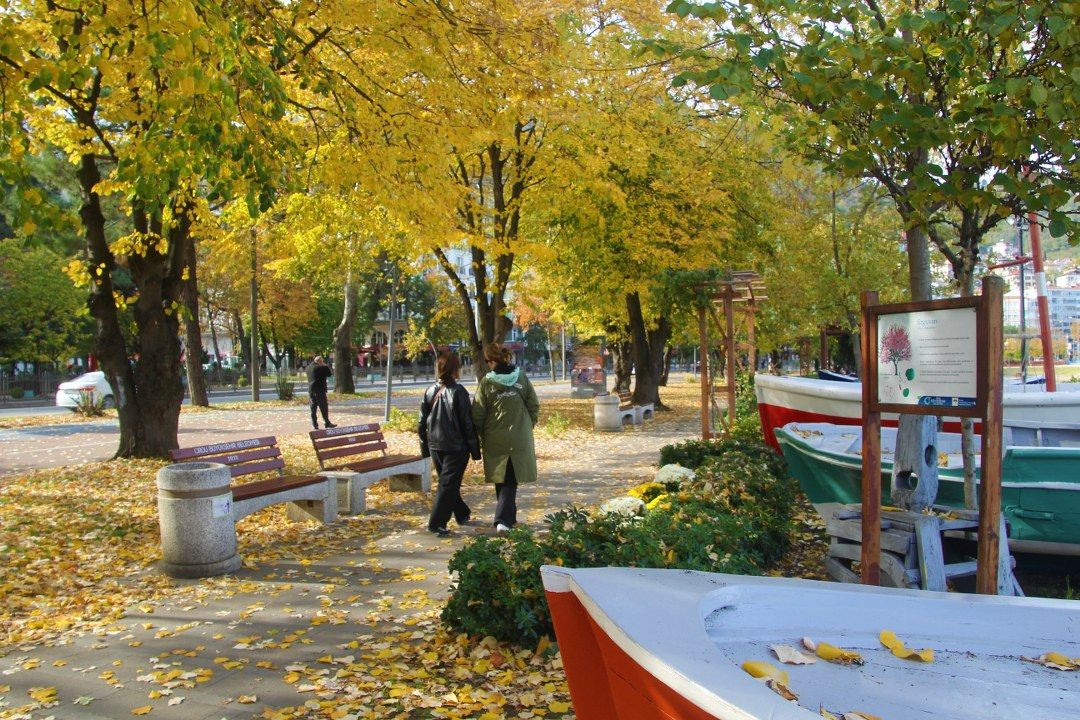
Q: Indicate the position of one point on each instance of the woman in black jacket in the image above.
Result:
(447, 435)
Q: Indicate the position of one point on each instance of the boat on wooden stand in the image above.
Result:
(1040, 485)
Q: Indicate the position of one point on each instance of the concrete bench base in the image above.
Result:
(352, 486)
(318, 501)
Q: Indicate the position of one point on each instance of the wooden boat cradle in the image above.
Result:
(913, 548)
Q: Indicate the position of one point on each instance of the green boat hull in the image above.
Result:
(1040, 491)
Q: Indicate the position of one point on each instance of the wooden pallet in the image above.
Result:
(913, 548)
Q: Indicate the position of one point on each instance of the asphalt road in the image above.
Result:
(68, 443)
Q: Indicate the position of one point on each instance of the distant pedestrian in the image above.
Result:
(318, 373)
(505, 411)
(448, 437)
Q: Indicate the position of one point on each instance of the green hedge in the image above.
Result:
(735, 517)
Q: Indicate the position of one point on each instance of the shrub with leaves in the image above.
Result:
(401, 420)
(89, 405)
(735, 516)
(499, 591)
(555, 424)
(694, 453)
(284, 386)
(744, 488)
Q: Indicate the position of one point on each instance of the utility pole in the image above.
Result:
(1023, 312)
(254, 320)
(1043, 302)
(562, 350)
(390, 344)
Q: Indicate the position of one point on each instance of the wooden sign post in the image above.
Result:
(940, 357)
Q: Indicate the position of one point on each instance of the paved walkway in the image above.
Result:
(278, 634)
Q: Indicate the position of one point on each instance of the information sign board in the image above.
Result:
(928, 358)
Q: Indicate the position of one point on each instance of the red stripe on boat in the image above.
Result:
(605, 682)
(774, 416)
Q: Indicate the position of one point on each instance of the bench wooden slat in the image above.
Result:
(347, 450)
(376, 463)
(221, 448)
(349, 440)
(277, 463)
(273, 485)
(238, 458)
(344, 430)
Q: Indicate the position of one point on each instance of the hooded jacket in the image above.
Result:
(505, 410)
(446, 424)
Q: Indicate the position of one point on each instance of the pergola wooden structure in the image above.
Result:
(739, 292)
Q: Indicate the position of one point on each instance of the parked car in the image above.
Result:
(69, 393)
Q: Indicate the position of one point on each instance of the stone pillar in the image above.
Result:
(198, 533)
(606, 416)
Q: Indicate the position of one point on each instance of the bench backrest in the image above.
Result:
(625, 396)
(242, 456)
(339, 442)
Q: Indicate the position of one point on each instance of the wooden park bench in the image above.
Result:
(636, 413)
(307, 495)
(356, 456)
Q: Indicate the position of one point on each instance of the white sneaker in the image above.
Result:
(501, 528)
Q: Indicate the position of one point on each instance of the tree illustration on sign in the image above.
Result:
(896, 346)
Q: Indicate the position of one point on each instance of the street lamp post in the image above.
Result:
(254, 321)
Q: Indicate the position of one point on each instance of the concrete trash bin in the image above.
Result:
(198, 533)
(606, 416)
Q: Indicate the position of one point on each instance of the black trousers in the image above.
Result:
(318, 402)
(506, 498)
(450, 467)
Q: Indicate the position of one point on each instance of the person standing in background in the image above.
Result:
(318, 373)
(505, 411)
(448, 436)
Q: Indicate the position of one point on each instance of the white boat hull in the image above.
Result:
(652, 644)
(783, 399)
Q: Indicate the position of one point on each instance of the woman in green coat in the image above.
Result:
(505, 410)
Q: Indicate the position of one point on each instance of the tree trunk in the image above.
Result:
(551, 353)
(913, 435)
(343, 339)
(243, 338)
(648, 353)
(665, 367)
(109, 346)
(215, 363)
(966, 278)
(148, 392)
(623, 350)
(192, 327)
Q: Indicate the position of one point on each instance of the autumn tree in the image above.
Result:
(832, 238)
(948, 105)
(43, 316)
(149, 103)
(965, 113)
